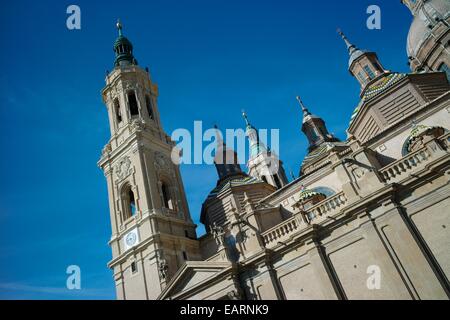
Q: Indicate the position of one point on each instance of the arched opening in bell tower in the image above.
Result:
(132, 102)
(129, 202)
(167, 198)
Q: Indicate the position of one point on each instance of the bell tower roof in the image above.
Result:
(353, 51)
(314, 128)
(123, 49)
(256, 146)
(363, 65)
(306, 114)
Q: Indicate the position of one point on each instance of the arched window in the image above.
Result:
(129, 202)
(133, 267)
(328, 192)
(132, 202)
(134, 111)
(148, 102)
(369, 72)
(361, 77)
(117, 110)
(168, 201)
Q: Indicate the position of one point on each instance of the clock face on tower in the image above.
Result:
(131, 239)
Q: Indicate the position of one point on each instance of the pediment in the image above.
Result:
(192, 274)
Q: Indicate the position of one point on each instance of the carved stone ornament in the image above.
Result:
(218, 234)
(123, 168)
(163, 269)
(138, 125)
(107, 149)
(162, 163)
(130, 85)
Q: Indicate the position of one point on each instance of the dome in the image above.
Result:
(123, 49)
(423, 18)
(121, 40)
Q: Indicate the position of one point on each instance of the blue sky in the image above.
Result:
(210, 59)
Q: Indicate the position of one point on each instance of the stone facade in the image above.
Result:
(367, 218)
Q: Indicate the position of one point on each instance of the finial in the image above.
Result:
(300, 102)
(119, 27)
(244, 115)
(304, 109)
(349, 45)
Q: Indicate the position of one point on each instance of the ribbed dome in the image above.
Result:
(123, 49)
(121, 40)
(423, 18)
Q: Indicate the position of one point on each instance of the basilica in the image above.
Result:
(366, 218)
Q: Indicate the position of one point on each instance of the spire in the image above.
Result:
(256, 147)
(119, 27)
(123, 49)
(353, 51)
(350, 47)
(306, 112)
(247, 123)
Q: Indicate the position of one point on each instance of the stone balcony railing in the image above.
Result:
(302, 220)
(326, 207)
(405, 164)
(283, 230)
(403, 167)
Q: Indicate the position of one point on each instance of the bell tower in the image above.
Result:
(152, 230)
